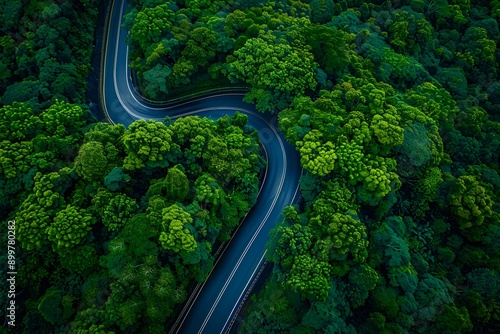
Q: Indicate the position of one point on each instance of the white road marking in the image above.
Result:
(137, 116)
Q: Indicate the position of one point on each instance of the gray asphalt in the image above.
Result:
(214, 303)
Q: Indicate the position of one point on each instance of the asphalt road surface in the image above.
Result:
(212, 307)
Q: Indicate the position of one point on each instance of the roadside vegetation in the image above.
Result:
(114, 225)
(394, 108)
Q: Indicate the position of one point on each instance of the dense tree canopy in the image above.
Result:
(137, 209)
(393, 107)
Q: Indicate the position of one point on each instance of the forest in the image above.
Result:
(113, 226)
(394, 107)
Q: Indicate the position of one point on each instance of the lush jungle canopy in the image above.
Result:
(114, 225)
(394, 107)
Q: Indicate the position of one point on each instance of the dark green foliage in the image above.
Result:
(116, 179)
(330, 46)
(55, 307)
(453, 320)
(398, 133)
(113, 212)
(454, 80)
(393, 108)
(48, 51)
(322, 10)
(485, 281)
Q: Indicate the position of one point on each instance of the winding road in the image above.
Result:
(213, 305)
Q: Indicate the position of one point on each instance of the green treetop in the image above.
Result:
(274, 66)
(146, 142)
(70, 226)
(176, 236)
(317, 157)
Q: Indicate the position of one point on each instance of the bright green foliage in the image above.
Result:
(410, 114)
(101, 200)
(118, 211)
(275, 66)
(14, 158)
(105, 133)
(406, 115)
(469, 202)
(356, 127)
(187, 129)
(387, 130)
(62, 119)
(70, 226)
(200, 48)
(216, 156)
(208, 190)
(31, 222)
(434, 102)
(328, 112)
(146, 142)
(317, 157)
(237, 145)
(379, 180)
(18, 122)
(294, 122)
(409, 32)
(175, 235)
(350, 155)
(150, 23)
(471, 121)
(344, 235)
(335, 197)
(309, 277)
(289, 241)
(37, 211)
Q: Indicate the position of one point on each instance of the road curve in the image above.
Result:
(214, 303)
